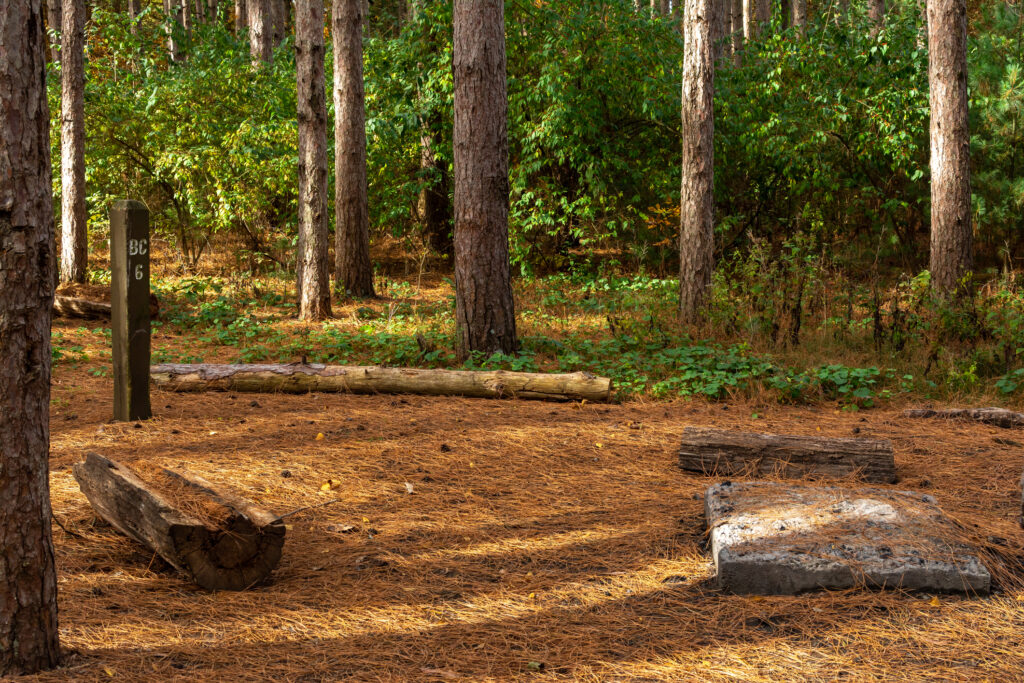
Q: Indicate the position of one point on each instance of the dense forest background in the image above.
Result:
(821, 188)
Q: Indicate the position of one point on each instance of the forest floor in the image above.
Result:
(540, 541)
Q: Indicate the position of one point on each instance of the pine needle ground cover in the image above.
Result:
(504, 540)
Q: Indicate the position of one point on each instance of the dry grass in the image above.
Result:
(541, 541)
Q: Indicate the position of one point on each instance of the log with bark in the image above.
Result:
(721, 453)
(1000, 417)
(76, 307)
(236, 554)
(303, 378)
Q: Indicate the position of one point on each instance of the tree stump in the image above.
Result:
(732, 454)
(238, 554)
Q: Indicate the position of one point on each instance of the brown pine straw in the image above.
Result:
(540, 542)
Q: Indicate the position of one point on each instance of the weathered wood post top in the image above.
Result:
(129, 309)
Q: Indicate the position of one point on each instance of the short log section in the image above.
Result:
(1000, 417)
(714, 452)
(238, 555)
(305, 378)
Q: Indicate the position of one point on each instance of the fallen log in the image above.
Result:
(303, 378)
(715, 452)
(237, 553)
(1000, 417)
(73, 307)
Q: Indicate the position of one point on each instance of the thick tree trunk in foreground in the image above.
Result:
(952, 236)
(240, 552)
(876, 14)
(74, 231)
(720, 453)
(302, 379)
(1000, 417)
(484, 308)
(314, 286)
(260, 45)
(28, 582)
(697, 207)
(353, 271)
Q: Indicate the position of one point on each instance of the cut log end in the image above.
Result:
(239, 553)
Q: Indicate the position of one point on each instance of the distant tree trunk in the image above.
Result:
(172, 11)
(353, 272)
(736, 7)
(134, 10)
(876, 13)
(313, 277)
(720, 29)
(697, 209)
(484, 307)
(28, 580)
(241, 17)
(54, 21)
(951, 234)
(764, 11)
(278, 21)
(434, 206)
(751, 25)
(799, 8)
(654, 8)
(74, 233)
(787, 13)
(187, 15)
(665, 8)
(259, 31)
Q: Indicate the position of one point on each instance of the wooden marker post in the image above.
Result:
(129, 309)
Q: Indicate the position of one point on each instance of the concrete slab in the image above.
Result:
(770, 538)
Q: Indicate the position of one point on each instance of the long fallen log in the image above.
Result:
(715, 452)
(73, 307)
(304, 378)
(1000, 417)
(239, 552)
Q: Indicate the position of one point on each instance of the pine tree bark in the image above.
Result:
(278, 21)
(313, 278)
(28, 581)
(353, 272)
(751, 25)
(74, 231)
(260, 46)
(951, 231)
(484, 307)
(720, 29)
(736, 7)
(54, 22)
(876, 15)
(697, 208)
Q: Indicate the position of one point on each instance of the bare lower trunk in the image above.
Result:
(175, 28)
(736, 28)
(951, 234)
(278, 21)
(720, 29)
(28, 582)
(697, 209)
(434, 206)
(484, 308)
(260, 46)
(353, 272)
(751, 26)
(313, 278)
(74, 232)
(876, 14)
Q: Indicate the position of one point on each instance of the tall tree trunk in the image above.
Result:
(134, 10)
(259, 31)
(28, 580)
(353, 272)
(876, 13)
(787, 13)
(799, 8)
(665, 8)
(241, 17)
(484, 307)
(434, 205)
(764, 11)
(720, 28)
(736, 16)
(951, 235)
(74, 231)
(697, 208)
(313, 277)
(751, 25)
(54, 22)
(172, 11)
